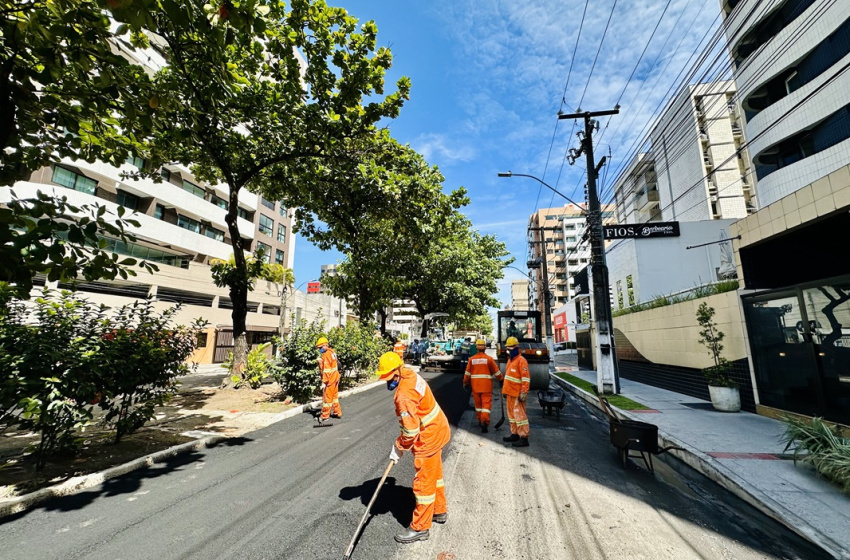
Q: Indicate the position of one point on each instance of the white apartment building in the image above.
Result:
(792, 66)
(403, 318)
(181, 227)
(520, 295)
(693, 167)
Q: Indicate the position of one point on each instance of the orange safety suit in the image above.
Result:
(479, 374)
(425, 430)
(517, 381)
(398, 348)
(330, 377)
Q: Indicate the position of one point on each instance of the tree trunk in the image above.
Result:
(383, 313)
(238, 290)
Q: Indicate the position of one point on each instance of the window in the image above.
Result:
(281, 233)
(583, 261)
(282, 210)
(72, 180)
(136, 162)
(189, 223)
(159, 211)
(630, 289)
(165, 174)
(220, 202)
(213, 233)
(265, 249)
(127, 200)
(266, 225)
(244, 214)
(278, 256)
(620, 293)
(266, 203)
(194, 189)
(571, 239)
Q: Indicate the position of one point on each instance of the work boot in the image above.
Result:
(484, 429)
(511, 438)
(440, 517)
(521, 442)
(409, 536)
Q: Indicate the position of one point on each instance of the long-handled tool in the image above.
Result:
(350, 548)
(502, 401)
(316, 410)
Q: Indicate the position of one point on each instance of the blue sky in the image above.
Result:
(488, 79)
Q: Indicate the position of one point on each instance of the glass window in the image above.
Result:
(266, 203)
(213, 233)
(266, 251)
(278, 256)
(194, 189)
(266, 225)
(136, 162)
(165, 174)
(571, 239)
(244, 214)
(631, 290)
(189, 223)
(281, 233)
(72, 180)
(220, 202)
(128, 200)
(282, 210)
(159, 211)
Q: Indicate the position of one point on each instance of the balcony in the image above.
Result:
(646, 200)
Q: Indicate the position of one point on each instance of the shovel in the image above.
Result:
(502, 402)
(350, 548)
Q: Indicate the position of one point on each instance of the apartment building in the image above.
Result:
(695, 165)
(520, 295)
(792, 66)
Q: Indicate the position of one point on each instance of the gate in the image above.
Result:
(223, 345)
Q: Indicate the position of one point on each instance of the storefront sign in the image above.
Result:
(641, 231)
(314, 287)
(560, 320)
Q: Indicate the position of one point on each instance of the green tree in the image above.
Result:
(712, 338)
(255, 96)
(49, 236)
(64, 89)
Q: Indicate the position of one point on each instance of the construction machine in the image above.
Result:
(526, 327)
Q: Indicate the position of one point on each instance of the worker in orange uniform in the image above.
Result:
(329, 370)
(425, 431)
(398, 348)
(479, 375)
(515, 392)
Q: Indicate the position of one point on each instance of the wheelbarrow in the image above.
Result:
(630, 436)
(552, 399)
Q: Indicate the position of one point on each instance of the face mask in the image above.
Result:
(392, 384)
(514, 352)
(323, 350)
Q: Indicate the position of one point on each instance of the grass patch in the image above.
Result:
(817, 443)
(619, 401)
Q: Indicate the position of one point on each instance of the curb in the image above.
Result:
(18, 504)
(718, 473)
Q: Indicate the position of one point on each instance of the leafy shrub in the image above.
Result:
(64, 355)
(139, 361)
(712, 338)
(298, 372)
(257, 369)
(357, 349)
(816, 443)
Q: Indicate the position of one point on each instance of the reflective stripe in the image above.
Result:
(487, 410)
(514, 379)
(326, 405)
(511, 420)
(440, 483)
(431, 416)
(336, 401)
(426, 499)
(522, 422)
(409, 433)
(479, 376)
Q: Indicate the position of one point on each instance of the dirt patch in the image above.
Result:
(199, 409)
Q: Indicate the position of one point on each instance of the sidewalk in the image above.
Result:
(741, 452)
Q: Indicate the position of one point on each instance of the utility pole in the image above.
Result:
(608, 374)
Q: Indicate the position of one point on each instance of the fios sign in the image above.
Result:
(314, 287)
(641, 231)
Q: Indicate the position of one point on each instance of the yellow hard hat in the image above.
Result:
(511, 341)
(480, 342)
(387, 364)
(322, 340)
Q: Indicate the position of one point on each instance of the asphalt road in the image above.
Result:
(297, 492)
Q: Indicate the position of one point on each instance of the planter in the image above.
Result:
(725, 399)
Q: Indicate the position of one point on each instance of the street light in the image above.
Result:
(545, 184)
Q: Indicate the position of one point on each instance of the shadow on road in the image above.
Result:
(394, 499)
(125, 484)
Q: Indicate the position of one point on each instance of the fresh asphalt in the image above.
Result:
(297, 492)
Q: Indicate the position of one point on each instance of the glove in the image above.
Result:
(396, 454)
(324, 386)
(522, 397)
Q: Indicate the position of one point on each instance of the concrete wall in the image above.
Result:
(669, 335)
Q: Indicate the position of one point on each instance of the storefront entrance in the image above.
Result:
(800, 342)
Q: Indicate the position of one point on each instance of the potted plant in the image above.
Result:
(722, 388)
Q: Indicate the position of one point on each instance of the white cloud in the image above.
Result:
(433, 145)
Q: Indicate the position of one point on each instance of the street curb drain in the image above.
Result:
(716, 472)
(18, 504)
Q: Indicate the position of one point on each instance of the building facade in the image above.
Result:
(520, 295)
(696, 166)
(792, 65)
